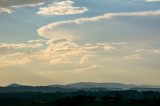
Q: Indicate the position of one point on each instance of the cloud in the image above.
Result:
(19, 46)
(99, 47)
(55, 30)
(63, 51)
(61, 8)
(27, 5)
(148, 51)
(90, 68)
(8, 6)
(53, 41)
(152, 0)
(133, 57)
(60, 51)
(13, 59)
(5, 10)
(11, 48)
(156, 51)
(37, 41)
(9, 3)
(84, 59)
(69, 52)
(22, 58)
(58, 7)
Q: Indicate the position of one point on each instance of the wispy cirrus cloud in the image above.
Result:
(141, 54)
(148, 51)
(12, 48)
(19, 46)
(133, 57)
(90, 68)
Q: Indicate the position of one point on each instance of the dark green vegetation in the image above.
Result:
(82, 98)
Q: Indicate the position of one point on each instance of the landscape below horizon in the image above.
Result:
(81, 86)
(80, 94)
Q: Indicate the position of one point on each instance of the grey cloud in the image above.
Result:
(9, 3)
(6, 6)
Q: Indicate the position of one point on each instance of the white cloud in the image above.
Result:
(13, 59)
(90, 68)
(27, 5)
(61, 8)
(54, 30)
(19, 46)
(140, 50)
(65, 51)
(133, 57)
(156, 51)
(60, 51)
(6, 10)
(84, 59)
(61, 61)
(37, 41)
(148, 51)
(152, 0)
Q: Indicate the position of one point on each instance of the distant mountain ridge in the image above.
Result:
(86, 86)
(15, 85)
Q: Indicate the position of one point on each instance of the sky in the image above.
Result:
(45, 42)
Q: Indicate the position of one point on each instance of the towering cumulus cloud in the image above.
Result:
(52, 31)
